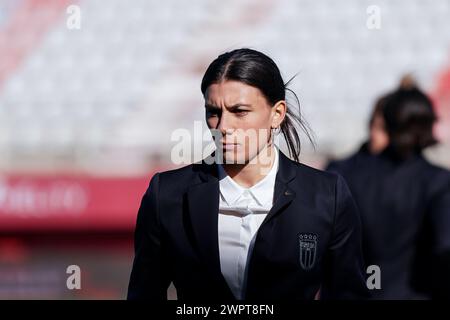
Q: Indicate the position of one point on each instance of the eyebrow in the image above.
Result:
(233, 107)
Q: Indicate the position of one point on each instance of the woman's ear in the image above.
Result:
(278, 113)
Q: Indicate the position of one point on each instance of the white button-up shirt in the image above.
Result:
(241, 212)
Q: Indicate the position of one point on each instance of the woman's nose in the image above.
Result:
(224, 125)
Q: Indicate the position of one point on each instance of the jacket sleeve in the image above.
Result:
(149, 276)
(344, 271)
(440, 223)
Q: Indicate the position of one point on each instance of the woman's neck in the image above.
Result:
(249, 174)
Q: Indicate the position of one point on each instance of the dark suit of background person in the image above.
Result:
(176, 238)
(404, 203)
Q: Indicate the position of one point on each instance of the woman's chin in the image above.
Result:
(233, 157)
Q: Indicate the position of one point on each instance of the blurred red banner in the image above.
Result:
(59, 203)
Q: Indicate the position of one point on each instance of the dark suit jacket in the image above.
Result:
(405, 213)
(309, 240)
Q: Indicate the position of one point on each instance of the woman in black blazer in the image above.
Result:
(309, 240)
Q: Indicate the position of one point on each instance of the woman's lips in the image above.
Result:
(229, 146)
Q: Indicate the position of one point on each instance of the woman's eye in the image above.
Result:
(241, 113)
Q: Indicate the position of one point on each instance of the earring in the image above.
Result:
(273, 132)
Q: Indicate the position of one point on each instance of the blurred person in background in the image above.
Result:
(230, 231)
(378, 140)
(404, 202)
(378, 137)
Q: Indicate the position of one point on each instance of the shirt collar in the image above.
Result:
(262, 191)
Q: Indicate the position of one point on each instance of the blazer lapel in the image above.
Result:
(203, 207)
(283, 193)
(203, 204)
(283, 196)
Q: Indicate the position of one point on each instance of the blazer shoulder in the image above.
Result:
(178, 180)
(316, 175)
(314, 182)
(435, 177)
(179, 176)
(436, 170)
(177, 173)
